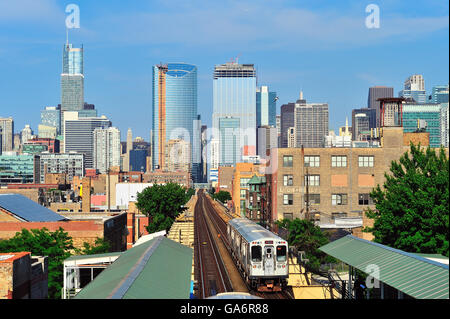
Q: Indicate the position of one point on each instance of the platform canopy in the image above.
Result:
(414, 275)
(156, 269)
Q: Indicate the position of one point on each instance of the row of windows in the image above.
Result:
(336, 199)
(336, 161)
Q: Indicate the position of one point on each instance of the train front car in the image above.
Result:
(261, 255)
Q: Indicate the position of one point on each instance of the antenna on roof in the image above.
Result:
(67, 36)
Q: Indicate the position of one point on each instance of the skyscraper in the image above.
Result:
(234, 99)
(311, 124)
(370, 117)
(51, 116)
(414, 87)
(430, 113)
(79, 134)
(376, 93)
(72, 81)
(439, 94)
(174, 108)
(106, 148)
(266, 107)
(7, 131)
(286, 122)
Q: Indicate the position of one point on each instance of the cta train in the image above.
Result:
(260, 255)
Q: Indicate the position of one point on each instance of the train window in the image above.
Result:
(256, 253)
(281, 253)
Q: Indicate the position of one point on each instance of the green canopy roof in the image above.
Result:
(414, 275)
(157, 269)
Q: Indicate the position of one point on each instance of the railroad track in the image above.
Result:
(212, 277)
(221, 226)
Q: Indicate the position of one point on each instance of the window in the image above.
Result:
(256, 253)
(338, 161)
(312, 161)
(338, 199)
(281, 253)
(287, 161)
(288, 199)
(313, 199)
(339, 214)
(364, 199)
(288, 180)
(243, 193)
(365, 161)
(244, 182)
(289, 216)
(313, 180)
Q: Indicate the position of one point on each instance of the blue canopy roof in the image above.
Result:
(27, 209)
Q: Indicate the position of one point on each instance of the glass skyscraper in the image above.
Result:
(266, 107)
(234, 96)
(430, 112)
(51, 116)
(174, 108)
(72, 79)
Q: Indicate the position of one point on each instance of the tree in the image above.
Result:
(100, 246)
(40, 242)
(412, 209)
(162, 203)
(189, 193)
(223, 196)
(307, 237)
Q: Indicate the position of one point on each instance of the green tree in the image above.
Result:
(100, 246)
(40, 242)
(223, 196)
(189, 193)
(307, 237)
(162, 203)
(412, 209)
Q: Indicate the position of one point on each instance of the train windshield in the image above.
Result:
(281, 253)
(256, 253)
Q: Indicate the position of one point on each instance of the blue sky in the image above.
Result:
(321, 47)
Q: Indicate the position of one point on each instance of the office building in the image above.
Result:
(370, 117)
(79, 134)
(72, 79)
(51, 145)
(428, 112)
(234, 106)
(376, 93)
(26, 134)
(287, 122)
(19, 169)
(439, 94)
(414, 88)
(70, 164)
(266, 107)
(138, 160)
(230, 141)
(267, 139)
(311, 124)
(444, 124)
(174, 108)
(178, 156)
(51, 117)
(106, 148)
(7, 130)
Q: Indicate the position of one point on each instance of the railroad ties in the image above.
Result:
(215, 272)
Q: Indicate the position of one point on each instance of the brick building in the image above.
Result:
(339, 179)
(23, 276)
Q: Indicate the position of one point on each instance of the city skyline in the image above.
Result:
(111, 86)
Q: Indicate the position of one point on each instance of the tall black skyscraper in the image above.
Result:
(375, 93)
